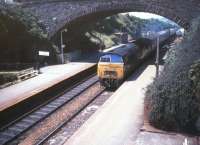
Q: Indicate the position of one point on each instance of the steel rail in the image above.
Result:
(13, 131)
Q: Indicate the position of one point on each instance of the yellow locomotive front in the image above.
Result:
(110, 70)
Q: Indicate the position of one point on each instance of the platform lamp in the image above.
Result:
(101, 39)
(62, 45)
(157, 54)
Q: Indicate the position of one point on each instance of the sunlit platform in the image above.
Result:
(120, 121)
(50, 76)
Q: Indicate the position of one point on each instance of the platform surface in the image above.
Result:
(119, 120)
(50, 76)
(151, 138)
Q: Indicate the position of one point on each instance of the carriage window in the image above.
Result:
(105, 58)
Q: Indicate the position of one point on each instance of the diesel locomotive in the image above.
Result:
(115, 65)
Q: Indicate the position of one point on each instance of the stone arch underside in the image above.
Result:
(57, 15)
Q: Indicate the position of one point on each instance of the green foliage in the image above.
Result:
(20, 35)
(172, 101)
(14, 14)
(7, 77)
(194, 75)
(105, 30)
(3, 28)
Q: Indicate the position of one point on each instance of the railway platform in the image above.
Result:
(50, 76)
(121, 119)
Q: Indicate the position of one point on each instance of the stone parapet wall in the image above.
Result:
(56, 14)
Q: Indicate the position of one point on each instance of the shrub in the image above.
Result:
(172, 101)
(7, 77)
(194, 75)
(10, 14)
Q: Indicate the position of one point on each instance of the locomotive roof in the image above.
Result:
(123, 50)
(143, 42)
(129, 48)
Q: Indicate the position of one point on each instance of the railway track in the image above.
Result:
(19, 127)
(46, 138)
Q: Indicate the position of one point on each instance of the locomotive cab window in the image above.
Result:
(111, 58)
(105, 58)
(116, 59)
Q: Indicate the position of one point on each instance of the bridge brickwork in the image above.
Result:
(57, 14)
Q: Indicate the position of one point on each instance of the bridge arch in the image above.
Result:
(58, 14)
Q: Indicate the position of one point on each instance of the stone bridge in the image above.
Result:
(57, 14)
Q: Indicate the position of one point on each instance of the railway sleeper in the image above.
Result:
(16, 129)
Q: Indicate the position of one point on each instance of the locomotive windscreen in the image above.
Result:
(105, 58)
(111, 58)
(116, 59)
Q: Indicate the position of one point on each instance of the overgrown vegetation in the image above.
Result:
(14, 14)
(6, 77)
(20, 32)
(173, 98)
(107, 32)
(194, 75)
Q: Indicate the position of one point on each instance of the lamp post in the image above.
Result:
(37, 60)
(62, 45)
(157, 55)
(101, 38)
